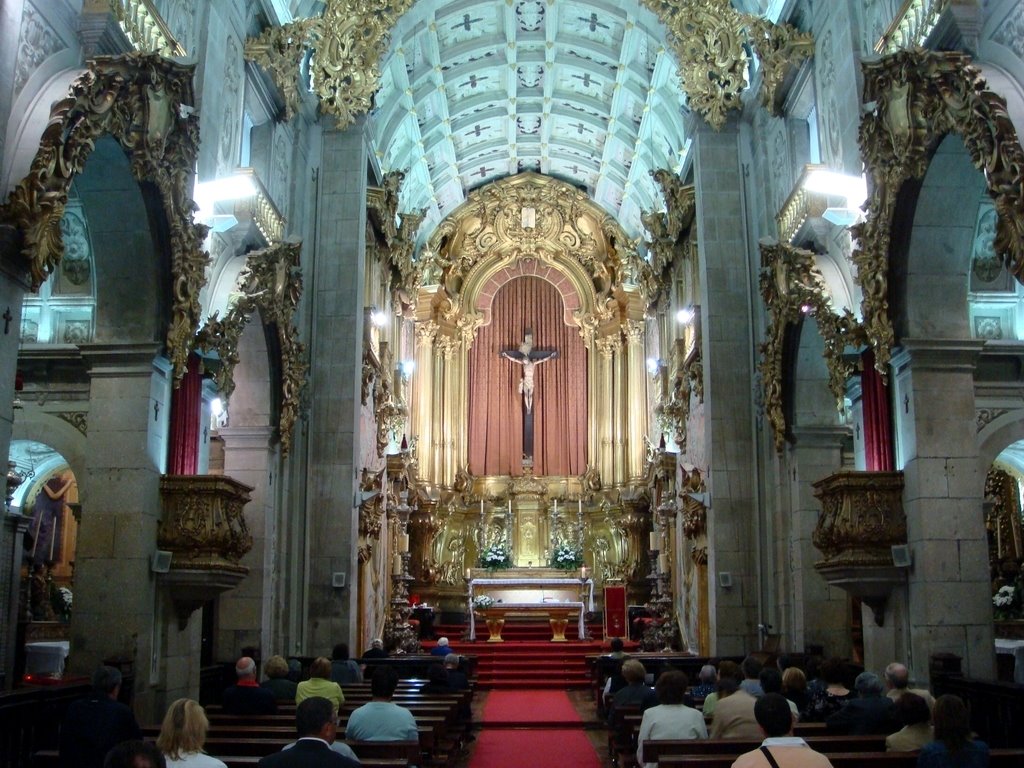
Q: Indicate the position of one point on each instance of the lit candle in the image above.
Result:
(654, 540)
(583, 572)
(556, 507)
(663, 563)
(396, 565)
(579, 506)
(481, 506)
(403, 542)
(510, 506)
(469, 574)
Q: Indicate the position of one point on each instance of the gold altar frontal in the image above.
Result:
(495, 616)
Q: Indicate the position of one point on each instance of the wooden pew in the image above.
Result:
(656, 750)
(1000, 758)
(405, 752)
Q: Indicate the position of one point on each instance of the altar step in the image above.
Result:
(527, 658)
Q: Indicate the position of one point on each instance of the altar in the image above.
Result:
(525, 594)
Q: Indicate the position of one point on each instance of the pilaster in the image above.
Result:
(735, 523)
(948, 591)
(120, 493)
(336, 303)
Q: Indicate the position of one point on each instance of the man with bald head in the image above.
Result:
(246, 697)
(897, 678)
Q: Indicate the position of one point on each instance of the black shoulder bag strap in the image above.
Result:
(769, 758)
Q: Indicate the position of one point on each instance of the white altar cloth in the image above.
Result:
(1016, 649)
(497, 582)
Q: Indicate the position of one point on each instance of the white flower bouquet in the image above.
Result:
(495, 557)
(566, 557)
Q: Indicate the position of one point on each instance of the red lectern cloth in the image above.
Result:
(615, 612)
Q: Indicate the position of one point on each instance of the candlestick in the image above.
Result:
(510, 507)
(653, 538)
(469, 574)
(583, 572)
(481, 506)
(556, 508)
(663, 563)
(396, 565)
(579, 506)
(403, 542)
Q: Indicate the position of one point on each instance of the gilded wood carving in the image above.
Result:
(145, 103)
(918, 97)
(793, 287)
(271, 284)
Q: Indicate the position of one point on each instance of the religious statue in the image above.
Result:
(527, 357)
(48, 521)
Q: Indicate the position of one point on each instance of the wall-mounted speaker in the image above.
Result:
(725, 580)
(338, 579)
(902, 557)
(161, 562)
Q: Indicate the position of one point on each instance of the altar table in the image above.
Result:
(536, 594)
(557, 614)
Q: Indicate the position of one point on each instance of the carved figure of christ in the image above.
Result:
(529, 358)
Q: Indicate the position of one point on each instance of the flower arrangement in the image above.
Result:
(61, 598)
(566, 557)
(483, 601)
(495, 557)
(1007, 602)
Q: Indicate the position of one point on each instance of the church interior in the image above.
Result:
(694, 322)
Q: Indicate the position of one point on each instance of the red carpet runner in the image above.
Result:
(538, 728)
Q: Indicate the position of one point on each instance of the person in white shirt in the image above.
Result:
(183, 734)
(671, 719)
(780, 748)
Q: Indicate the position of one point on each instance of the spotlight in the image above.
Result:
(685, 316)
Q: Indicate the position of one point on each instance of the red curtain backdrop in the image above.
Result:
(560, 394)
(186, 413)
(877, 417)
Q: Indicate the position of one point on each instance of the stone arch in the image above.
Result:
(145, 102)
(528, 268)
(920, 96)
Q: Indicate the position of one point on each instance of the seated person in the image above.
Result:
(344, 671)
(437, 681)
(93, 725)
(277, 682)
(442, 648)
(380, 719)
(316, 723)
(183, 734)
(320, 684)
(912, 711)
(771, 682)
(734, 714)
(780, 746)
(707, 678)
(457, 679)
(376, 650)
(135, 754)
(730, 671)
(870, 712)
(671, 718)
(953, 746)
(636, 693)
(246, 697)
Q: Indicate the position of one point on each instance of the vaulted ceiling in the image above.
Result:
(582, 90)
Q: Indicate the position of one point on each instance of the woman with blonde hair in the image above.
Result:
(320, 684)
(183, 734)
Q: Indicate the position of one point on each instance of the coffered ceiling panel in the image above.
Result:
(475, 91)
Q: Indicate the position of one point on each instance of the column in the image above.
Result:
(604, 405)
(948, 590)
(637, 420)
(727, 269)
(811, 612)
(115, 593)
(12, 294)
(422, 387)
(336, 299)
(245, 613)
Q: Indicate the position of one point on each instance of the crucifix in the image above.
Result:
(529, 358)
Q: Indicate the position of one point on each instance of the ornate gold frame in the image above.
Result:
(921, 96)
(792, 286)
(271, 284)
(145, 102)
(707, 36)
